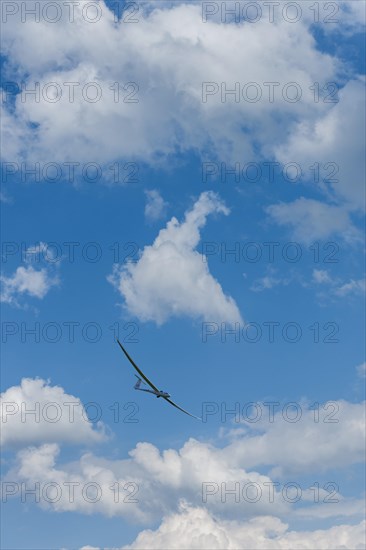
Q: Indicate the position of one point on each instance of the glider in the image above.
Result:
(142, 379)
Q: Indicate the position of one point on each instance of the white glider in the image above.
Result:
(154, 390)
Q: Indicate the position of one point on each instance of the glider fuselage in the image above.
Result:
(162, 394)
(158, 393)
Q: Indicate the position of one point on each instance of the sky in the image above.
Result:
(187, 177)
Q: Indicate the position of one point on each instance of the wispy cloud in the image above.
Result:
(361, 370)
(269, 281)
(155, 207)
(356, 287)
(310, 220)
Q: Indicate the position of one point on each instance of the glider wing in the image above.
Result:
(137, 368)
(180, 408)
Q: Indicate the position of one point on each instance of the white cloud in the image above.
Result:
(158, 479)
(27, 280)
(353, 14)
(54, 416)
(155, 207)
(311, 219)
(269, 281)
(177, 52)
(321, 276)
(334, 286)
(37, 252)
(335, 142)
(346, 17)
(195, 528)
(12, 132)
(4, 197)
(337, 287)
(161, 478)
(333, 441)
(334, 137)
(346, 507)
(357, 287)
(361, 370)
(264, 283)
(171, 279)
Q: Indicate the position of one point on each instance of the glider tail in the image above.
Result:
(138, 383)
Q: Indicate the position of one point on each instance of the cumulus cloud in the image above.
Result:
(158, 106)
(224, 478)
(194, 527)
(171, 279)
(162, 112)
(351, 17)
(155, 207)
(148, 484)
(335, 142)
(333, 439)
(27, 280)
(36, 412)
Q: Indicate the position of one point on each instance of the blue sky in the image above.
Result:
(149, 251)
